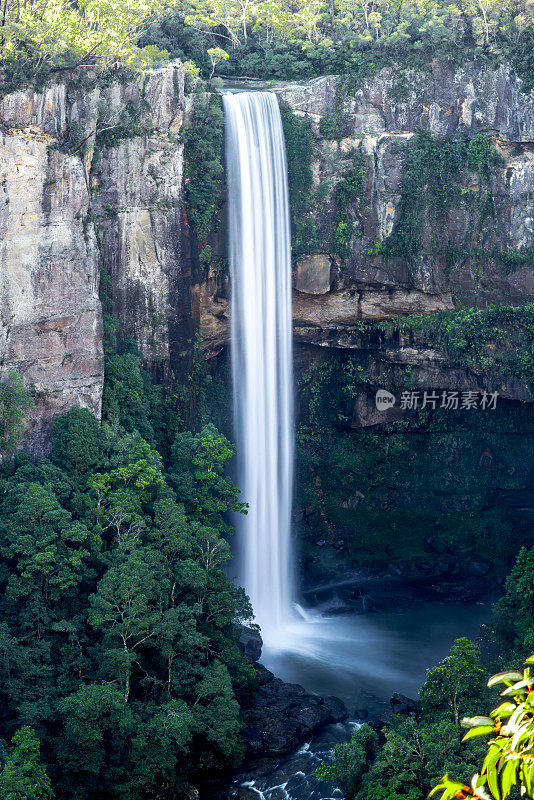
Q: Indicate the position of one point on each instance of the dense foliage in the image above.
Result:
(453, 478)
(273, 39)
(499, 336)
(415, 750)
(508, 762)
(299, 149)
(40, 39)
(204, 170)
(266, 39)
(15, 402)
(117, 643)
(431, 186)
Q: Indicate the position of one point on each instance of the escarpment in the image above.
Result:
(415, 196)
(412, 195)
(92, 187)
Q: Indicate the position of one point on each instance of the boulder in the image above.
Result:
(352, 502)
(434, 544)
(479, 568)
(249, 642)
(337, 708)
(400, 704)
(283, 715)
(312, 274)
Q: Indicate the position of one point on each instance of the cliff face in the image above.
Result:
(476, 249)
(137, 200)
(73, 206)
(50, 314)
(86, 195)
(376, 125)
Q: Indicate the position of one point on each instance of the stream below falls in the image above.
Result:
(362, 659)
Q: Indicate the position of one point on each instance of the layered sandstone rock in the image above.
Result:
(50, 313)
(69, 212)
(374, 124)
(66, 215)
(137, 201)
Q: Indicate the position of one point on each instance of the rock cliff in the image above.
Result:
(76, 204)
(93, 187)
(50, 313)
(137, 201)
(476, 250)
(377, 123)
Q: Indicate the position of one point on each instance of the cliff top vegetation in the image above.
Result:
(263, 39)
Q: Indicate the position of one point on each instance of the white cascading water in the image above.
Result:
(262, 362)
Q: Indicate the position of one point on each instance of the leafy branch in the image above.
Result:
(509, 761)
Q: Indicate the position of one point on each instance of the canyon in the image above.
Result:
(96, 229)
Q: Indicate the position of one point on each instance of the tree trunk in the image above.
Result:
(332, 13)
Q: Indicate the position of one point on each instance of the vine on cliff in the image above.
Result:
(349, 193)
(204, 170)
(15, 402)
(499, 336)
(299, 148)
(432, 186)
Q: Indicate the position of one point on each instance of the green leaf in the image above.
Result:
(505, 677)
(508, 777)
(483, 730)
(449, 787)
(518, 687)
(504, 711)
(493, 782)
(476, 722)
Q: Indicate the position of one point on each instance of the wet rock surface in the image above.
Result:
(290, 777)
(283, 715)
(249, 642)
(280, 716)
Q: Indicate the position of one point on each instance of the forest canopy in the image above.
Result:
(266, 38)
(120, 672)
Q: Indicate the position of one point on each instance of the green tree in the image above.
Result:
(216, 55)
(508, 763)
(15, 402)
(76, 441)
(45, 36)
(351, 760)
(23, 776)
(127, 607)
(418, 747)
(455, 683)
(515, 610)
(117, 627)
(197, 474)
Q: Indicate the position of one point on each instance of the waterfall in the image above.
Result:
(261, 331)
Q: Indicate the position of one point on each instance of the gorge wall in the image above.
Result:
(477, 249)
(77, 206)
(93, 194)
